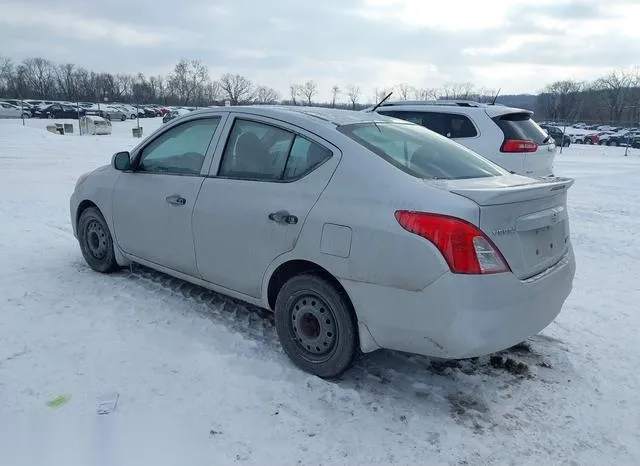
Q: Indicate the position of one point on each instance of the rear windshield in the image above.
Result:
(420, 152)
(520, 126)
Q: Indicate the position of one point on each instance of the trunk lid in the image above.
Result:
(525, 218)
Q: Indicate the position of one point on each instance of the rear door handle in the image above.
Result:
(282, 216)
(176, 199)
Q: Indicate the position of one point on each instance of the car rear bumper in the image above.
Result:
(461, 316)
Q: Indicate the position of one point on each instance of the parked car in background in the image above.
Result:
(469, 259)
(113, 113)
(505, 135)
(108, 112)
(621, 138)
(560, 138)
(174, 113)
(60, 111)
(8, 110)
(130, 110)
(24, 106)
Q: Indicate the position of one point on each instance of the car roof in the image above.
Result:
(299, 114)
(454, 106)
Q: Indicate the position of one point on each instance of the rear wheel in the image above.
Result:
(316, 326)
(123, 118)
(96, 242)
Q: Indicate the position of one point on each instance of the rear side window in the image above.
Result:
(258, 151)
(520, 126)
(451, 125)
(420, 152)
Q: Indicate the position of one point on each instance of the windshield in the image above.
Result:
(421, 152)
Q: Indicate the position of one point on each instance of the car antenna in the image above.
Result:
(495, 97)
(375, 107)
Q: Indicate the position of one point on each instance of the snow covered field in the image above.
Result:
(202, 379)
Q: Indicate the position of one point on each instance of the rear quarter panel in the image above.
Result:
(363, 195)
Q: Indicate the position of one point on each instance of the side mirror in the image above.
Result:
(121, 161)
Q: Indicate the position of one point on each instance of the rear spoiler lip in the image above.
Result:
(498, 195)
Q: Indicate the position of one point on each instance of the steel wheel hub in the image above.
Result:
(96, 240)
(314, 326)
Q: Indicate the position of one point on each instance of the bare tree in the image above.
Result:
(161, 87)
(188, 81)
(214, 92)
(122, 86)
(236, 88)
(426, 94)
(455, 91)
(335, 91)
(562, 100)
(39, 76)
(6, 75)
(266, 95)
(615, 89)
(404, 90)
(294, 91)
(353, 92)
(67, 82)
(308, 90)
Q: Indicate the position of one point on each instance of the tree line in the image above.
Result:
(613, 98)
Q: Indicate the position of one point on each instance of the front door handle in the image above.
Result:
(176, 199)
(282, 216)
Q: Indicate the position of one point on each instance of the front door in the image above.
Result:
(153, 204)
(254, 209)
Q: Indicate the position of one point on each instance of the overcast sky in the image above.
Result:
(518, 45)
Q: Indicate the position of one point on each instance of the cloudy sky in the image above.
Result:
(516, 45)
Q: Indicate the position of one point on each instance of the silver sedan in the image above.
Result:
(359, 231)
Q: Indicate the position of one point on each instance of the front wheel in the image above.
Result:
(316, 326)
(96, 242)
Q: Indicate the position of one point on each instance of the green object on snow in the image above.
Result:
(59, 401)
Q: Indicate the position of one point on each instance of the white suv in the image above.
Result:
(505, 135)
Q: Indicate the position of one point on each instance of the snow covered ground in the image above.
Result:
(202, 379)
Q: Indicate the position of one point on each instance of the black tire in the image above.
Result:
(123, 118)
(316, 326)
(96, 242)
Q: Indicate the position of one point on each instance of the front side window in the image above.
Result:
(421, 152)
(258, 151)
(181, 150)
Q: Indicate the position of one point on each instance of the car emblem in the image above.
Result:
(554, 217)
(503, 231)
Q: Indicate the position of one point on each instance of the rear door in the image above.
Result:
(252, 208)
(524, 138)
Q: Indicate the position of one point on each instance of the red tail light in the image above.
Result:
(466, 249)
(518, 145)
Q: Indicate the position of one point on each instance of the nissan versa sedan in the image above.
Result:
(359, 231)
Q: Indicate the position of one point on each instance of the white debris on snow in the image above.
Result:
(202, 379)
